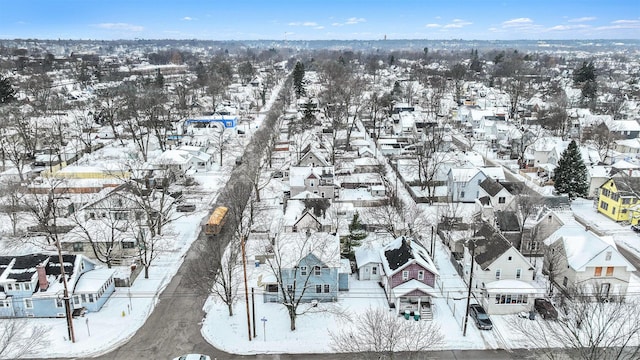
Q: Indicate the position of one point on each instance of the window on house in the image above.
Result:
(498, 273)
(91, 298)
(311, 184)
(565, 281)
(318, 289)
(608, 256)
(327, 288)
(420, 275)
(28, 304)
(128, 244)
(479, 181)
(272, 288)
(316, 270)
(374, 270)
(303, 270)
(510, 258)
(120, 215)
(59, 303)
(604, 205)
(9, 286)
(405, 275)
(84, 298)
(92, 215)
(77, 246)
(518, 273)
(27, 286)
(501, 200)
(462, 194)
(609, 270)
(290, 288)
(598, 271)
(626, 201)
(613, 210)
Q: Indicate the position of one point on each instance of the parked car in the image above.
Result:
(636, 228)
(480, 317)
(193, 357)
(186, 207)
(545, 309)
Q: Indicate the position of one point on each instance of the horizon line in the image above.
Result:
(297, 40)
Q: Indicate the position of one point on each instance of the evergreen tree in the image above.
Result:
(159, 80)
(571, 174)
(7, 94)
(298, 79)
(356, 234)
(585, 78)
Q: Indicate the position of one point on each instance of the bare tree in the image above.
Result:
(20, 340)
(217, 270)
(11, 203)
(378, 334)
(293, 260)
(588, 329)
(602, 138)
(221, 140)
(106, 228)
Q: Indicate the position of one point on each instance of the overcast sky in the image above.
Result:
(320, 20)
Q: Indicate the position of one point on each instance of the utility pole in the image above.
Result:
(253, 310)
(67, 300)
(473, 254)
(246, 289)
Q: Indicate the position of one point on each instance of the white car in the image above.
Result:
(193, 357)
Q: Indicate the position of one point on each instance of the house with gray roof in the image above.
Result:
(31, 285)
(502, 277)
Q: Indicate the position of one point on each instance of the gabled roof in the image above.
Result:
(413, 285)
(627, 185)
(585, 249)
(402, 252)
(507, 220)
(490, 246)
(367, 256)
(491, 186)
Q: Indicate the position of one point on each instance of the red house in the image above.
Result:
(409, 277)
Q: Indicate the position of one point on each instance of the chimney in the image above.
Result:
(42, 277)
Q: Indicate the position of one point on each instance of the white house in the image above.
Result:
(495, 260)
(580, 259)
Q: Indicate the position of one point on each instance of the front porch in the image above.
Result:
(413, 299)
(417, 308)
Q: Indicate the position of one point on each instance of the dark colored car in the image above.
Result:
(545, 309)
(186, 208)
(480, 316)
(635, 228)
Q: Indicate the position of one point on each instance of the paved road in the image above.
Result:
(631, 258)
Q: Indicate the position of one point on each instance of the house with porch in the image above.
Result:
(500, 273)
(31, 285)
(409, 277)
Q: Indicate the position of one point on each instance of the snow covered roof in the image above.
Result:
(293, 247)
(585, 249)
(402, 252)
(494, 172)
(412, 285)
(463, 174)
(91, 282)
(367, 256)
